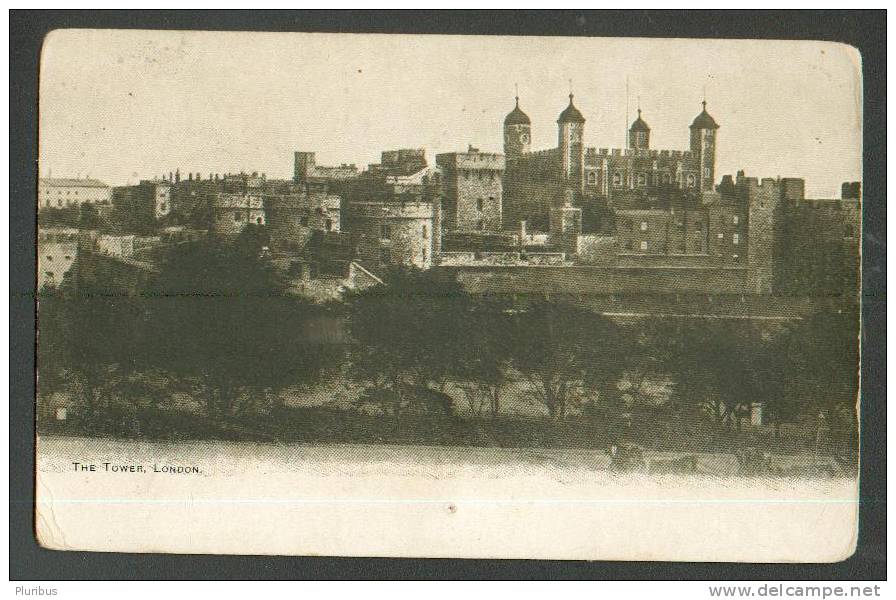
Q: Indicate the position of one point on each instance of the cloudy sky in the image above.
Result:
(125, 105)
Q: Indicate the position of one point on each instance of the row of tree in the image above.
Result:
(421, 332)
(218, 324)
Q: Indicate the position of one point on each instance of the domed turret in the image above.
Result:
(517, 132)
(704, 120)
(571, 114)
(517, 116)
(639, 134)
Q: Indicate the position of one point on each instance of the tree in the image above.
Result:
(82, 334)
(407, 334)
(716, 364)
(67, 216)
(483, 360)
(219, 312)
(560, 348)
(89, 217)
(826, 370)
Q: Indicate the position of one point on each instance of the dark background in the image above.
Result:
(866, 30)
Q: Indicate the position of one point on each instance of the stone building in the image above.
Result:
(821, 244)
(141, 206)
(393, 233)
(293, 217)
(305, 168)
(472, 190)
(63, 192)
(536, 181)
(232, 212)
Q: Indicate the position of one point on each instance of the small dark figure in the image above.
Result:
(626, 458)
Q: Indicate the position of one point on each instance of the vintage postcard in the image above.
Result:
(448, 296)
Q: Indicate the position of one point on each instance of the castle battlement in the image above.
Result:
(541, 153)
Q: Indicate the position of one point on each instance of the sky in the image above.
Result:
(127, 105)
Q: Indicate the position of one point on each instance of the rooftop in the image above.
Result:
(72, 182)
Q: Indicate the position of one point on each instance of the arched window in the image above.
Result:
(617, 179)
(642, 179)
(592, 178)
(692, 181)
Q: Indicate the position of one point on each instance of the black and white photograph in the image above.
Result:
(448, 296)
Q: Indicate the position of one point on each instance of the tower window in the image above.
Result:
(643, 245)
(479, 204)
(643, 225)
(707, 172)
(617, 179)
(642, 179)
(735, 239)
(592, 177)
(735, 219)
(667, 178)
(691, 180)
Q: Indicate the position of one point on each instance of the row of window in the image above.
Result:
(680, 224)
(735, 240)
(641, 179)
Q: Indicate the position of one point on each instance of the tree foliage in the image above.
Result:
(219, 312)
(408, 336)
(565, 351)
